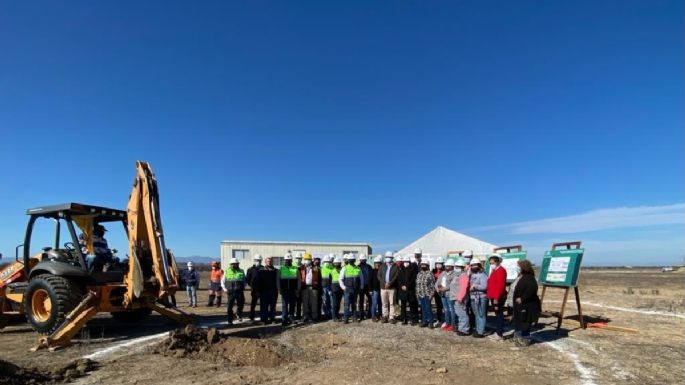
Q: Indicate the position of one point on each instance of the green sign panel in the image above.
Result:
(561, 267)
(509, 262)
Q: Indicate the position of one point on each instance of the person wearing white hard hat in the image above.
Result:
(497, 293)
(364, 296)
(407, 293)
(467, 255)
(387, 279)
(459, 294)
(375, 287)
(336, 290)
(250, 278)
(287, 286)
(442, 286)
(425, 288)
(326, 286)
(192, 281)
(298, 294)
(478, 284)
(416, 265)
(350, 283)
(234, 285)
(437, 270)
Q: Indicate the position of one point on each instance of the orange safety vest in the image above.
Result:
(216, 275)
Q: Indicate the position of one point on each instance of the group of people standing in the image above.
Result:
(313, 289)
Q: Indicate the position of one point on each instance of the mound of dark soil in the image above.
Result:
(209, 344)
(12, 374)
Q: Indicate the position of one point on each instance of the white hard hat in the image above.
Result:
(398, 257)
(417, 251)
(388, 253)
(232, 261)
(406, 258)
(362, 257)
(298, 256)
(495, 255)
(378, 259)
(288, 257)
(475, 261)
(190, 264)
(460, 262)
(258, 257)
(439, 260)
(425, 262)
(450, 262)
(337, 260)
(327, 258)
(467, 253)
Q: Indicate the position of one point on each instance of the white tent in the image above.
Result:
(441, 240)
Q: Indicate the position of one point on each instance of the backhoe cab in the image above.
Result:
(61, 288)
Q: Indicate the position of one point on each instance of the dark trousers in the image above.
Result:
(254, 298)
(310, 303)
(438, 306)
(499, 319)
(235, 297)
(298, 306)
(364, 306)
(337, 297)
(267, 306)
(411, 303)
(287, 305)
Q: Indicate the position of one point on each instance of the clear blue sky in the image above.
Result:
(354, 121)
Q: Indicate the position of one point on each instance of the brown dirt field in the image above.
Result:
(370, 353)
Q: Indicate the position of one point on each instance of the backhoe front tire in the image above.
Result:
(48, 299)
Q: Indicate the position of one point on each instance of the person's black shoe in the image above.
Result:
(358, 320)
(462, 334)
(405, 322)
(385, 320)
(230, 323)
(414, 323)
(476, 335)
(423, 325)
(347, 321)
(393, 321)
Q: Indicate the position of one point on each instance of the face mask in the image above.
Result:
(457, 269)
(388, 260)
(438, 266)
(191, 268)
(257, 263)
(406, 264)
(307, 262)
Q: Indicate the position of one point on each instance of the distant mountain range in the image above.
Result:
(197, 259)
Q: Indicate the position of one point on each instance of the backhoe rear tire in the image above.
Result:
(3, 317)
(132, 316)
(48, 299)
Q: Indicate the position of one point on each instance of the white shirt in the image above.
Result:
(308, 276)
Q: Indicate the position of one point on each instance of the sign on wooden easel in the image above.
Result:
(560, 268)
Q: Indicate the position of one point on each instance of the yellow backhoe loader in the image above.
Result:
(59, 290)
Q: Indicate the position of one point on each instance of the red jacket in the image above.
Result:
(497, 284)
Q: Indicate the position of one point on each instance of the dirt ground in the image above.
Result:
(649, 301)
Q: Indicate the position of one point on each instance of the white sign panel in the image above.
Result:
(559, 264)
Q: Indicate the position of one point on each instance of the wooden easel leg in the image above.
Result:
(580, 310)
(542, 296)
(563, 306)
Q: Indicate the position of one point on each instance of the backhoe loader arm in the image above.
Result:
(149, 260)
